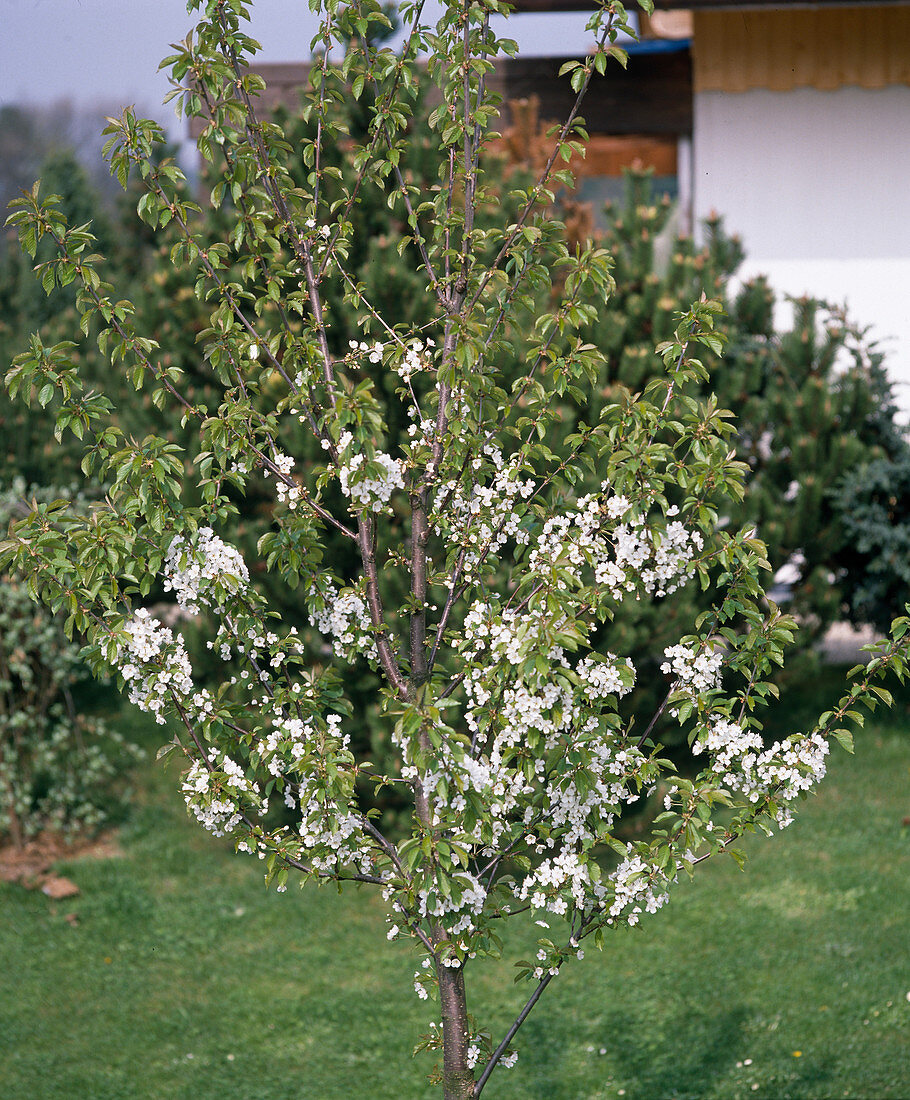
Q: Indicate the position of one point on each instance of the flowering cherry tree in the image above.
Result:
(488, 566)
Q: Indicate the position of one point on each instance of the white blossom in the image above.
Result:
(780, 772)
(366, 491)
(193, 566)
(346, 619)
(155, 665)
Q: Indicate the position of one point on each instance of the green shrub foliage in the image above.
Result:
(60, 770)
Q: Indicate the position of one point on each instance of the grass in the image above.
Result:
(184, 978)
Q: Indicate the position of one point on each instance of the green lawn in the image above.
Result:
(185, 978)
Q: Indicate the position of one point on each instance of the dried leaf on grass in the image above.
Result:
(55, 886)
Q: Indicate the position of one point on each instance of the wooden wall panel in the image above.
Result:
(653, 96)
(608, 156)
(865, 46)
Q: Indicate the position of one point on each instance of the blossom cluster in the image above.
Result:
(546, 885)
(285, 746)
(780, 772)
(697, 671)
(192, 568)
(332, 834)
(480, 518)
(609, 676)
(467, 904)
(414, 360)
(155, 665)
(507, 1061)
(521, 713)
(372, 352)
(330, 826)
(346, 619)
(318, 236)
(627, 556)
(637, 888)
(368, 489)
(286, 490)
(214, 795)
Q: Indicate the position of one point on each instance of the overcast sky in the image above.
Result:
(106, 52)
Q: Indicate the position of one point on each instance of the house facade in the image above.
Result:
(800, 138)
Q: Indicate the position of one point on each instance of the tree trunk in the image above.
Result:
(458, 1077)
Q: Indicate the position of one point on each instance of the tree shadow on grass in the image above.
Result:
(654, 1052)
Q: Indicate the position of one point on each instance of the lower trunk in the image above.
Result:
(458, 1077)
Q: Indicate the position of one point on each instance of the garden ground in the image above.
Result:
(174, 973)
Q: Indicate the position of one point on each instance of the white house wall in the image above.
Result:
(817, 183)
